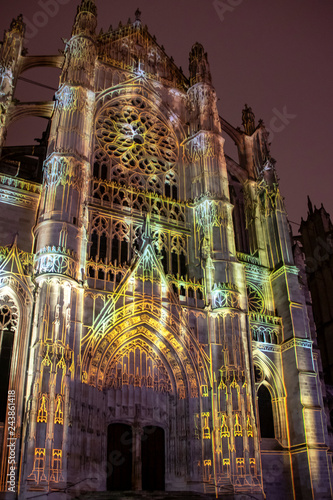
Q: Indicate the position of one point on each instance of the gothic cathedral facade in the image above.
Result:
(154, 332)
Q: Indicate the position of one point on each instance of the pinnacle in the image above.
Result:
(310, 207)
(88, 6)
(137, 17)
(138, 14)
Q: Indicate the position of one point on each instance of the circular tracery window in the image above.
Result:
(130, 133)
(255, 300)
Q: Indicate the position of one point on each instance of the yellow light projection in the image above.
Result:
(224, 428)
(145, 320)
(137, 364)
(59, 415)
(42, 412)
(249, 427)
(238, 430)
(56, 468)
(37, 474)
(205, 425)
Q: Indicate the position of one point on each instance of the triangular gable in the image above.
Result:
(132, 45)
(12, 262)
(136, 81)
(147, 252)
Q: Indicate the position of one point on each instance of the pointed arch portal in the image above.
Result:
(150, 369)
(153, 330)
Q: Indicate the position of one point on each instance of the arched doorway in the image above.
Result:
(119, 457)
(153, 458)
(265, 413)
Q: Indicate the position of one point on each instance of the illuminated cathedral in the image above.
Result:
(155, 332)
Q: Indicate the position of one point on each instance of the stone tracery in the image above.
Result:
(135, 137)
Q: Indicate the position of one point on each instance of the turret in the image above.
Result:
(199, 66)
(61, 236)
(10, 54)
(86, 19)
(80, 51)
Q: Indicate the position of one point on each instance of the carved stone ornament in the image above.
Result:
(199, 147)
(64, 171)
(225, 295)
(211, 213)
(70, 98)
(55, 260)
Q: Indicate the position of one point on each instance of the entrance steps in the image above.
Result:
(224, 493)
(145, 495)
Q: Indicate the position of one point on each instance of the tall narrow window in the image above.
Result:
(165, 260)
(102, 246)
(114, 254)
(96, 170)
(94, 246)
(104, 172)
(182, 262)
(123, 253)
(174, 192)
(174, 263)
(265, 412)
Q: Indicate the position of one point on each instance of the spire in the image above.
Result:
(248, 120)
(17, 25)
(137, 21)
(199, 66)
(86, 18)
(12, 45)
(310, 206)
(138, 15)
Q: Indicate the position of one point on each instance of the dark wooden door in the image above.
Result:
(119, 458)
(153, 458)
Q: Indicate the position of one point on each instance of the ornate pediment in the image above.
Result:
(133, 48)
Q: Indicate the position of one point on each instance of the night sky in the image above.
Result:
(276, 56)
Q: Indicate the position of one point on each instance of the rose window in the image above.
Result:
(135, 137)
(255, 300)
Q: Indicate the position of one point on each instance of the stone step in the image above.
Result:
(144, 495)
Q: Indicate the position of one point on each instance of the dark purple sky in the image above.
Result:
(276, 56)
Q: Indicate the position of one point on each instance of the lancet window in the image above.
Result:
(178, 256)
(110, 242)
(138, 365)
(120, 247)
(99, 237)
